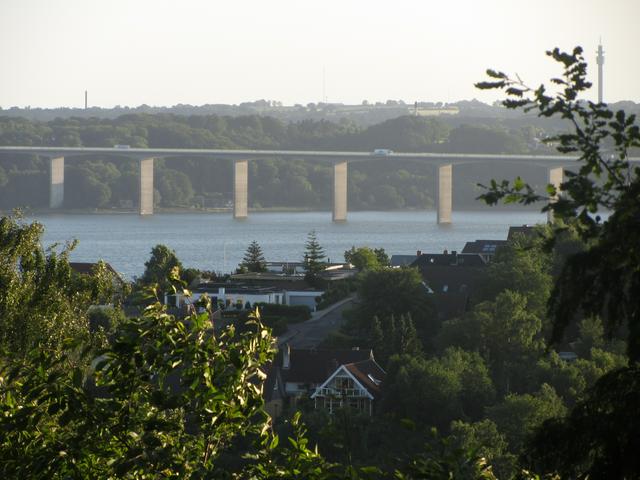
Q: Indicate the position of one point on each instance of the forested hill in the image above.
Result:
(112, 182)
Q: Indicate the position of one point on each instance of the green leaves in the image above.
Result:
(165, 396)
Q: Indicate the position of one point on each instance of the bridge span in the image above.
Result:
(442, 161)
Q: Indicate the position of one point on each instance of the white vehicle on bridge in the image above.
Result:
(382, 152)
(121, 146)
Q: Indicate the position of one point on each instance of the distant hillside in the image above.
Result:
(363, 115)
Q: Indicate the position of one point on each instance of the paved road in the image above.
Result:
(436, 158)
(311, 333)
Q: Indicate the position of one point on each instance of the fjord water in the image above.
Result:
(215, 241)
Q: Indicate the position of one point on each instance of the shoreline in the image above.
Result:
(203, 211)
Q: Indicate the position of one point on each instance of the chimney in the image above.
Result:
(418, 253)
(286, 357)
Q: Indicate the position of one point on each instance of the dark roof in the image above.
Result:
(402, 260)
(525, 230)
(275, 280)
(87, 268)
(369, 374)
(484, 247)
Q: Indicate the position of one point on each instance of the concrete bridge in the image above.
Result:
(442, 161)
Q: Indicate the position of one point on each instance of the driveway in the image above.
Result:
(311, 333)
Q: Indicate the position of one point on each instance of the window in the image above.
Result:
(343, 383)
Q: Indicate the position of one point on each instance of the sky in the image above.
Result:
(162, 53)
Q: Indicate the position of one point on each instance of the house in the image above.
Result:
(485, 248)
(328, 377)
(452, 278)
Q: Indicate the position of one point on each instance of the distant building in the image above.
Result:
(453, 278)
(231, 294)
(89, 268)
(397, 261)
(523, 230)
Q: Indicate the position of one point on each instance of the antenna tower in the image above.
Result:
(600, 60)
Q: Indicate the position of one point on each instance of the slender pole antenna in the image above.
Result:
(324, 85)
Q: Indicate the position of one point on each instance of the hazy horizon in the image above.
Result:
(162, 53)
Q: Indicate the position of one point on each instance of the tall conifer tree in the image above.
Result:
(253, 259)
(313, 254)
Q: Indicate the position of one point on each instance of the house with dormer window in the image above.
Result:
(330, 378)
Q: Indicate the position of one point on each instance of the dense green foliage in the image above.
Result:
(486, 376)
(43, 302)
(158, 269)
(164, 396)
(365, 258)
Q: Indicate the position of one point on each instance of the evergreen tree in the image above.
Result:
(253, 259)
(313, 255)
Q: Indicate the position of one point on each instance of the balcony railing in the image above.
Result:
(342, 392)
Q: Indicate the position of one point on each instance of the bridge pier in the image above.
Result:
(556, 177)
(240, 188)
(339, 192)
(146, 186)
(56, 182)
(445, 193)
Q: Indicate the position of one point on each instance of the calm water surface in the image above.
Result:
(217, 242)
